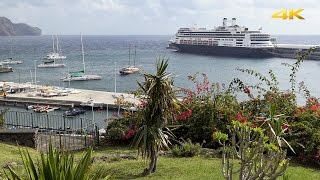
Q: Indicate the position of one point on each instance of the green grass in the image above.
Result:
(168, 168)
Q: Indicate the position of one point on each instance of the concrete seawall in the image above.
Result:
(98, 97)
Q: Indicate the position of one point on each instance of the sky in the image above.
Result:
(157, 17)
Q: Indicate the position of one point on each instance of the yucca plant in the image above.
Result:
(56, 165)
(161, 103)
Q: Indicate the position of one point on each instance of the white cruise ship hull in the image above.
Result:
(225, 51)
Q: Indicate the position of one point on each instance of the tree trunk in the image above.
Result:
(153, 164)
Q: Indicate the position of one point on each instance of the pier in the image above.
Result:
(292, 50)
(98, 98)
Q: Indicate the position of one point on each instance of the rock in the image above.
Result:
(7, 28)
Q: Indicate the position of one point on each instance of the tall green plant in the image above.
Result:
(56, 165)
(159, 96)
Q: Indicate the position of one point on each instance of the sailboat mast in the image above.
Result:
(57, 44)
(135, 53)
(84, 66)
(53, 44)
(129, 55)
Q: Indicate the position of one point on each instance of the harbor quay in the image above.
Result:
(72, 98)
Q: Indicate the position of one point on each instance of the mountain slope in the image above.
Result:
(7, 28)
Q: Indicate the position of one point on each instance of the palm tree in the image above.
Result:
(159, 96)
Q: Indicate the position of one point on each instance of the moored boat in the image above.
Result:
(81, 75)
(73, 112)
(10, 61)
(226, 40)
(5, 68)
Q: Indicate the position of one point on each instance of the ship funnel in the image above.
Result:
(224, 22)
(233, 21)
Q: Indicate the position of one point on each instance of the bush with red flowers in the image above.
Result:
(122, 130)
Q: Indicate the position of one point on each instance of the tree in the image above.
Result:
(160, 102)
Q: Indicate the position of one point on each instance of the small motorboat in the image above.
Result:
(73, 112)
(46, 109)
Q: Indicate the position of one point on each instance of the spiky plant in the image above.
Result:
(153, 135)
(56, 165)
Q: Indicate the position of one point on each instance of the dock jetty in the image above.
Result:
(22, 94)
(292, 50)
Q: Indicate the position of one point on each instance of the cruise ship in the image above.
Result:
(225, 40)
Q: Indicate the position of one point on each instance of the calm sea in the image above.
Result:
(105, 54)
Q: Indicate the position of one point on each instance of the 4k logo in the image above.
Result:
(288, 14)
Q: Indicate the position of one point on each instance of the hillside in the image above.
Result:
(7, 28)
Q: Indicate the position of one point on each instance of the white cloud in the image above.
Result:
(155, 16)
(106, 5)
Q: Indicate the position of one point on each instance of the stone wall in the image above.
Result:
(23, 137)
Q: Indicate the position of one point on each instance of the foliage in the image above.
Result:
(123, 130)
(259, 157)
(56, 166)
(2, 115)
(212, 106)
(159, 97)
(304, 133)
(186, 149)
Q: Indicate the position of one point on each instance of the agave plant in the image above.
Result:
(56, 165)
(161, 103)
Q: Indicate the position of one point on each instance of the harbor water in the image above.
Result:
(105, 55)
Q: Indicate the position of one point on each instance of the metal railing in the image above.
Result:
(64, 133)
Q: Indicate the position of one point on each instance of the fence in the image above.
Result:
(68, 133)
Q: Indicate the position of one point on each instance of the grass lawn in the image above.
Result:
(168, 168)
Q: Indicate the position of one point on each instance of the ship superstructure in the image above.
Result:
(228, 40)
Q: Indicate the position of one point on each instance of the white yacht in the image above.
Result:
(225, 40)
(5, 68)
(51, 65)
(56, 53)
(130, 69)
(10, 61)
(80, 75)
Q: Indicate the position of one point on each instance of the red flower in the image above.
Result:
(314, 108)
(240, 118)
(183, 116)
(142, 104)
(253, 126)
(246, 90)
(130, 133)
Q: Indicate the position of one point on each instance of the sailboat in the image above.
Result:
(56, 51)
(50, 60)
(130, 69)
(10, 60)
(81, 75)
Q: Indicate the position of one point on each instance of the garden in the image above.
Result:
(206, 133)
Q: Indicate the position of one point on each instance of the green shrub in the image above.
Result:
(186, 149)
(212, 108)
(259, 156)
(304, 135)
(122, 130)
